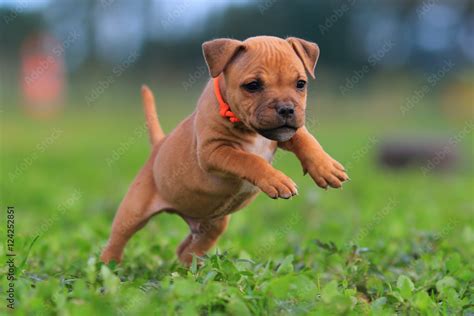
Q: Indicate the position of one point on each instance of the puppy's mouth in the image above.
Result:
(280, 134)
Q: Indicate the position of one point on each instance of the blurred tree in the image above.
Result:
(15, 26)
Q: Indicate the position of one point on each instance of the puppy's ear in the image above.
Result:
(308, 52)
(219, 52)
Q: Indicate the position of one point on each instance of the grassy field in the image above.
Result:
(389, 242)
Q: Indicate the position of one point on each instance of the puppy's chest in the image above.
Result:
(242, 191)
(262, 147)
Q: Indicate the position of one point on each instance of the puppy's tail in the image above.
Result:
(154, 128)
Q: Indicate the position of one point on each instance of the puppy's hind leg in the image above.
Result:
(140, 203)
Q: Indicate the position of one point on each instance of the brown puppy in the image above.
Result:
(210, 165)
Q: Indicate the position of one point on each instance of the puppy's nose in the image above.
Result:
(285, 110)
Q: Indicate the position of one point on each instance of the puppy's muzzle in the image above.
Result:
(285, 125)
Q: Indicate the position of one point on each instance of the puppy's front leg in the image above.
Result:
(321, 167)
(250, 167)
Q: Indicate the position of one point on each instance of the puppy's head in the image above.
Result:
(265, 80)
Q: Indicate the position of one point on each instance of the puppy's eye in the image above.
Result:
(253, 86)
(300, 84)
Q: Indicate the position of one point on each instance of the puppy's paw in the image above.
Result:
(326, 171)
(278, 185)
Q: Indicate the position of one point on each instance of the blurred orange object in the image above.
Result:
(42, 75)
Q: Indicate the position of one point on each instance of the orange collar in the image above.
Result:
(224, 108)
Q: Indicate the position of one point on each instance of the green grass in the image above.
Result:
(389, 242)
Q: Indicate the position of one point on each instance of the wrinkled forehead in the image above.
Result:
(264, 58)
